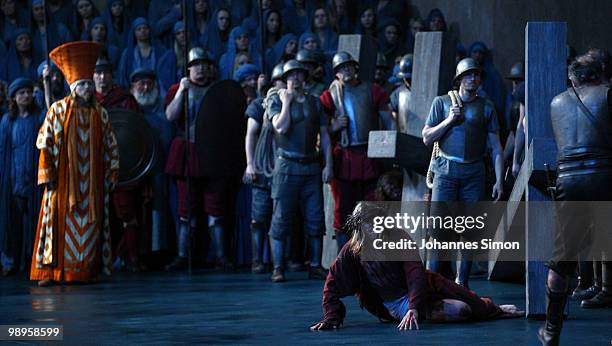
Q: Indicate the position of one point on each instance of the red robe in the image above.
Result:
(348, 275)
(118, 98)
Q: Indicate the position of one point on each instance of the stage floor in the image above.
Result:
(239, 308)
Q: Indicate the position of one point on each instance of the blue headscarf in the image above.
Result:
(239, 10)
(306, 36)
(118, 39)
(226, 64)
(257, 38)
(42, 65)
(275, 54)
(57, 33)
(297, 24)
(11, 67)
(195, 37)
(18, 84)
(212, 41)
(168, 72)
(330, 44)
(131, 59)
(77, 19)
(245, 71)
(111, 51)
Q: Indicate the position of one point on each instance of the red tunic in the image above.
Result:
(352, 163)
(124, 196)
(175, 165)
(118, 98)
(348, 276)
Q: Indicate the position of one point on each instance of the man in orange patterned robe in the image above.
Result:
(79, 164)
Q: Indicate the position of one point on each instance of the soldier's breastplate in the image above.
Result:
(361, 112)
(575, 134)
(301, 139)
(195, 102)
(467, 141)
(408, 121)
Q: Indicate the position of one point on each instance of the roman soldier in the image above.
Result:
(200, 194)
(298, 119)
(460, 168)
(356, 107)
(259, 145)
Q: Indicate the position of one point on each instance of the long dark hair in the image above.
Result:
(13, 109)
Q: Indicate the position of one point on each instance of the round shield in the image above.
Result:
(220, 130)
(137, 146)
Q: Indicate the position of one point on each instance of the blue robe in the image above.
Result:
(168, 72)
(276, 53)
(226, 63)
(7, 29)
(58, 35)
(239, 9)
(11, 68)
(132, 60)
(163, 16)
(212, 41)
(18, 176)
(118, 39)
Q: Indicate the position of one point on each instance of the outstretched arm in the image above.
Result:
(342, 281)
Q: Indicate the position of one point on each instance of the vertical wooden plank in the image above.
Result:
(545, 77)
(432, 73)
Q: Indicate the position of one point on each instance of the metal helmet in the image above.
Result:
(197, 53)
(464, 66)
(405, 67)
(293, 65)
(381, 61)
(517, 72)
(277, 72)
(342, 58)
(306, 55)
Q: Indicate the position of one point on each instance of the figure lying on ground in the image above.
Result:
(398, 291)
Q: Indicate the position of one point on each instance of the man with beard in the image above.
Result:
(260, 134)
(356, 108)
(208, 195)
(145, 89)
(296, 182)
(79, 166)
(19, 193)
(460, 169)
(126, 198)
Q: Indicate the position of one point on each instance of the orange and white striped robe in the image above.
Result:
(79, 154)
